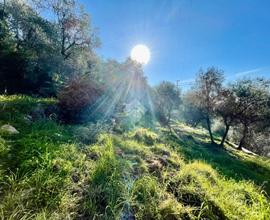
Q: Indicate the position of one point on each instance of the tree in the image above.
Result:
(253, 105)
(48, 51)
(26, 39)
(74, 27)
(192, 115)
(227, 107)
(259, 140)
(167, 100)
(76, 38)
(206, 91)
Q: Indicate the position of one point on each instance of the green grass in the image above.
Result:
(229, 162)
(46, 172)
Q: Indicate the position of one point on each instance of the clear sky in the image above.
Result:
(186, 35)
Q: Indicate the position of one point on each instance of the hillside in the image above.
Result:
(54, 171)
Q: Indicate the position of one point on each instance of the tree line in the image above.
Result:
(242, 106)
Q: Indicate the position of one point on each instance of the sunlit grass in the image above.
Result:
(48, 172)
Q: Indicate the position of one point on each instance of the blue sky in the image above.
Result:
(186, 35)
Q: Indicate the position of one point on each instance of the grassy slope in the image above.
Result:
(46, 172)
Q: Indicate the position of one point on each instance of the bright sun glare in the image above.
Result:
(140, 53)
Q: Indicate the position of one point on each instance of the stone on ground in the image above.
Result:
(9, 129)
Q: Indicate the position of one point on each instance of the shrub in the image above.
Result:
(79, 94)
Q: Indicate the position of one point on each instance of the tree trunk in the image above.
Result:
(225, 134)
(210, 130)
(168, 120)
(243, 139)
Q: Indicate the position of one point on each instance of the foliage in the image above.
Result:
(110, 167)
(206, 91)
(191, 114)
(218, 127)
(46, 52)
(79, 94)
(167, 100)
(253, 104)
(227, 108)
(127, 99)
(260, 143)
(74, 27)
(29, 45)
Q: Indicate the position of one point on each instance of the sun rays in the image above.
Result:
(129, 92)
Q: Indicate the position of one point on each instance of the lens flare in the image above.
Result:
(141, 54)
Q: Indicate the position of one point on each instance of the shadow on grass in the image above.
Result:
(230, 163)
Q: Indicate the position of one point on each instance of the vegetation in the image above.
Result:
(47, 173)
(79, 94)
(87, 138)
(243, 105)
(167, 100)
(206, 93)
(46, 51)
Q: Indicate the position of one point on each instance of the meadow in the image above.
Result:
(50, 170)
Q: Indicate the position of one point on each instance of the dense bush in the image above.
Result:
(80, 94)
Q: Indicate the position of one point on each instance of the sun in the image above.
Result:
(140, 53)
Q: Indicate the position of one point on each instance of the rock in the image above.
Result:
(9, 129)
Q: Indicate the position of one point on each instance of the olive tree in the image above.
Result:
(205, 94)
(252, 105)
(167, 100)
